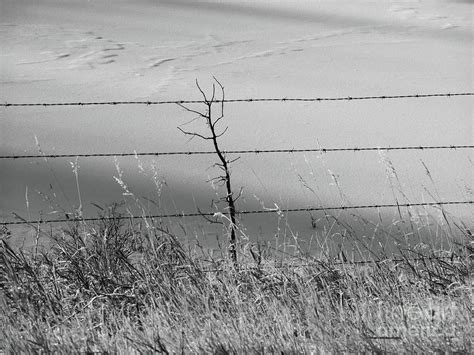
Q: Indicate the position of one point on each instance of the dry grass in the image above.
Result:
(117, 287)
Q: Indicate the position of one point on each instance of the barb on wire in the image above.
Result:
(249, 151)
(284, 99)
(211, 214)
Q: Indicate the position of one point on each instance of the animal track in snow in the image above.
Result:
(417, 13)
(93, 50)
(159, 62)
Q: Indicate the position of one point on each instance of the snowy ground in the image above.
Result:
(75, 50)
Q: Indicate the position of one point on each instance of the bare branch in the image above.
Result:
(190, 121)
(190, 139)
(222, 164)
(221, 134)
(191, 110)
(194, 134)
(207, 218)
(240, 194)
(233, 160)
(222, 167)
(217, 120)
(217, 179)
(202, 92)
(219, 165)
(213, 92)
(223, 96)
(212, 166)
(219, 83)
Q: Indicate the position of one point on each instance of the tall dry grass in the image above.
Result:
(115, 286)
(128, 286)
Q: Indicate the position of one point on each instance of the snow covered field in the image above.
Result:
(77, 50)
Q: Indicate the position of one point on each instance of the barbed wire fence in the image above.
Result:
(296, 265)
(248, 100)
(242, 212)
(248, 151)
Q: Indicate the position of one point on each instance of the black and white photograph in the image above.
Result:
(236, 176)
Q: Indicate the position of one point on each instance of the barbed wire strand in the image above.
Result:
(217, 214)
(250, 151)
(294, 265)
(332, 263)
(284, 99)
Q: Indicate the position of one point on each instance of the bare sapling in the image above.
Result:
(212, 119)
